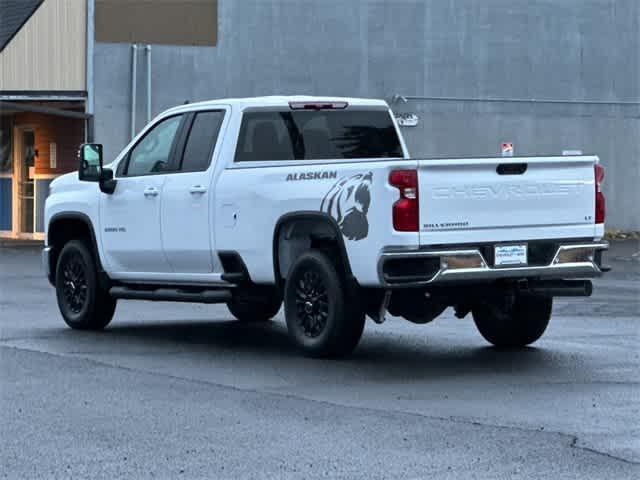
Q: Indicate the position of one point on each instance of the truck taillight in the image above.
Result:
(600, 203)
(405, 209)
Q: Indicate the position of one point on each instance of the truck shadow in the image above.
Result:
(378, 358)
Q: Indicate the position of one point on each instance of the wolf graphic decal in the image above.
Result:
(348, 202)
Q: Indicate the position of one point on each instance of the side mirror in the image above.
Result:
(92, 170)
(90, 162)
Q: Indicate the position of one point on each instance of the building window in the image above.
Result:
(173, 22)
(6, 131)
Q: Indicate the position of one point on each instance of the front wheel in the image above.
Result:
(84, 305)
(323, 320)
(514, 321)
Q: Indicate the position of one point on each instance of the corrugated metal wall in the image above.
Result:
(48, 53)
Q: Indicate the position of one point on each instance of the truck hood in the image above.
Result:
(63, 181)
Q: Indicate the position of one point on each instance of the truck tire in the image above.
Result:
(513, 324)
(252, 307)
(84, 305)
(413, 305)
(323, 320)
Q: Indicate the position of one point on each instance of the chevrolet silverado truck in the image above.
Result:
(316, 203)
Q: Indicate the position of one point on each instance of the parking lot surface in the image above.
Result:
(179, 390)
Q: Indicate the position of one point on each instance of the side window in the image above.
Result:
(151, 154)
(202, 139)
(265, 136)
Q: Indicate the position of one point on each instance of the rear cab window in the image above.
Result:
(330, 134)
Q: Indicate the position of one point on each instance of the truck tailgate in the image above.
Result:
(503, 199)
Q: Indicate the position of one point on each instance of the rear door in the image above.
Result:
(499, 199)
(187, 220)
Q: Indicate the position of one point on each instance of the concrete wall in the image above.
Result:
(576, 51)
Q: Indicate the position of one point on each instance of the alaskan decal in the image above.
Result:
(348, 202)
(292, 177)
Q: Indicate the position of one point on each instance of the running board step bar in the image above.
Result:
(171, 295)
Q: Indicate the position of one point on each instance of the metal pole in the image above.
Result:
(397, 98)
(134, 75)
(148, 51)
(88, 133)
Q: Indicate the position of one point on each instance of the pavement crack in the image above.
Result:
(14, 339)
(574, 444)
(572, 439)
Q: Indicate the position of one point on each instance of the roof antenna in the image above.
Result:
(186, 102)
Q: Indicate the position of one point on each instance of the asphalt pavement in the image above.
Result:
(184, 391)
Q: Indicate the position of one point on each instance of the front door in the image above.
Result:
(130, 217)
(187, 233)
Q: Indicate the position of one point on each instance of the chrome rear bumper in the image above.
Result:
(572, 260)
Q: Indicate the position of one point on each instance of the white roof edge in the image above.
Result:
(275, 101)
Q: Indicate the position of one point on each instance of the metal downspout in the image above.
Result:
(134, 77)
(89, 105)
(148, 52)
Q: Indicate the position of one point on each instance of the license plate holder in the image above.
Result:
(514, 255)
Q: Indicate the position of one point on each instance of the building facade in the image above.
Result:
(42, 105)
(545, 75)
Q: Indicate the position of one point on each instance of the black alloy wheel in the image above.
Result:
(312, 304)
(74, 283)
(83, 302)
(324, 314)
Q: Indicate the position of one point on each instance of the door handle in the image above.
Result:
(198, 189)
(151, 192)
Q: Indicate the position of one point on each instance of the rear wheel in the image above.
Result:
(515, 321)
(256, 305)
(414, 305)
(84, 305)
(323, 319)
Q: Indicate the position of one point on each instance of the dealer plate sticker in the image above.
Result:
(508, 255)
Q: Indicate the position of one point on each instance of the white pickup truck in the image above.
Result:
(316, 202)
